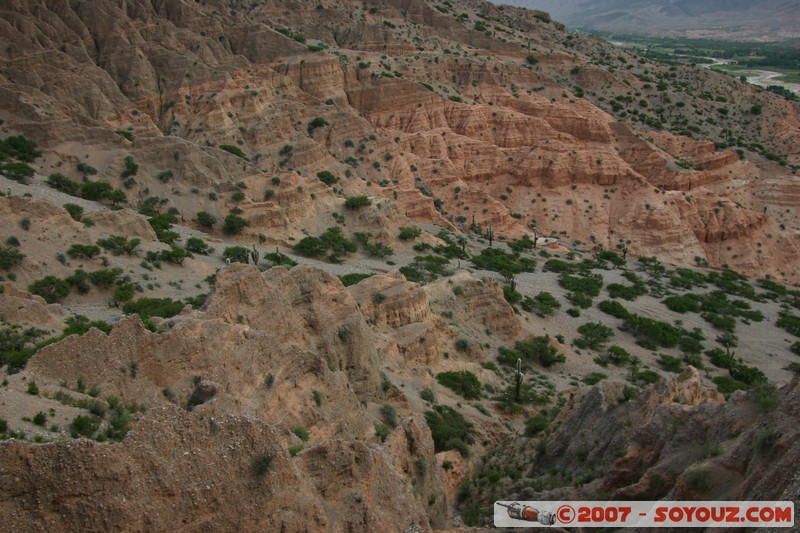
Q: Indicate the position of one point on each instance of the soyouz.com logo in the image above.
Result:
(509, 513)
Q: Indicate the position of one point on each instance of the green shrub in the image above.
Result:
(427, 395)
(17, 171)
(353, 278)
(582, 283)
(647, 376)
(316, 122)
(279, 259)
(727, 385)
(594, 378)
(382, 431)
(507, 265)
(105, 278)
(295, 449)
(594, 335)
(10, 257)
(327, 177)
(536, 424)
(683, 303)
(618, 356)
(613, 308)
(80, 325)
(543, 304)
(234, 224)
(357, 202)
(557, 265)
(425, 268)
(149, 307)
(95, 190)
(235, 150)
(262, 465)
(670, 364)
(449, 429)
(463, 383)
(119, 245)
(462, 345)
(198, 246)
(20, 148)
(83, 250)
(205, 219)
(409, 233)
(75, 211)
(311, 247)
(51, 288)
(795, 348)
(720, 322)
(236, 254)
(748, 375)
(79, 280)
(764, 440)
(301, 432)
(626, 292)
(389, 415)
(652, 331)
(84, 426)
(789, 323)
(62, 183)
(535, 349)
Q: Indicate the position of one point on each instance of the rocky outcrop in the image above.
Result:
(224, 473)
(648, 448)
(23, 308)
(270, 352)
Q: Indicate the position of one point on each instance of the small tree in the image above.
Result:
(357, 202)
(83, 250)
(116, 196)
(198, 246)
(234, 224)
(728, 340)
(206, 219)
(10, 257)
(327, 177)
(316, 122)
(51, 288)
(17, 171)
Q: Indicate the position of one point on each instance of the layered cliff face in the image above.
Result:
(416, 103)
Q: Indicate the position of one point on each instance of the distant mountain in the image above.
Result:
(752, 20)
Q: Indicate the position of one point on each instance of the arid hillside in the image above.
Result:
(271, 265)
